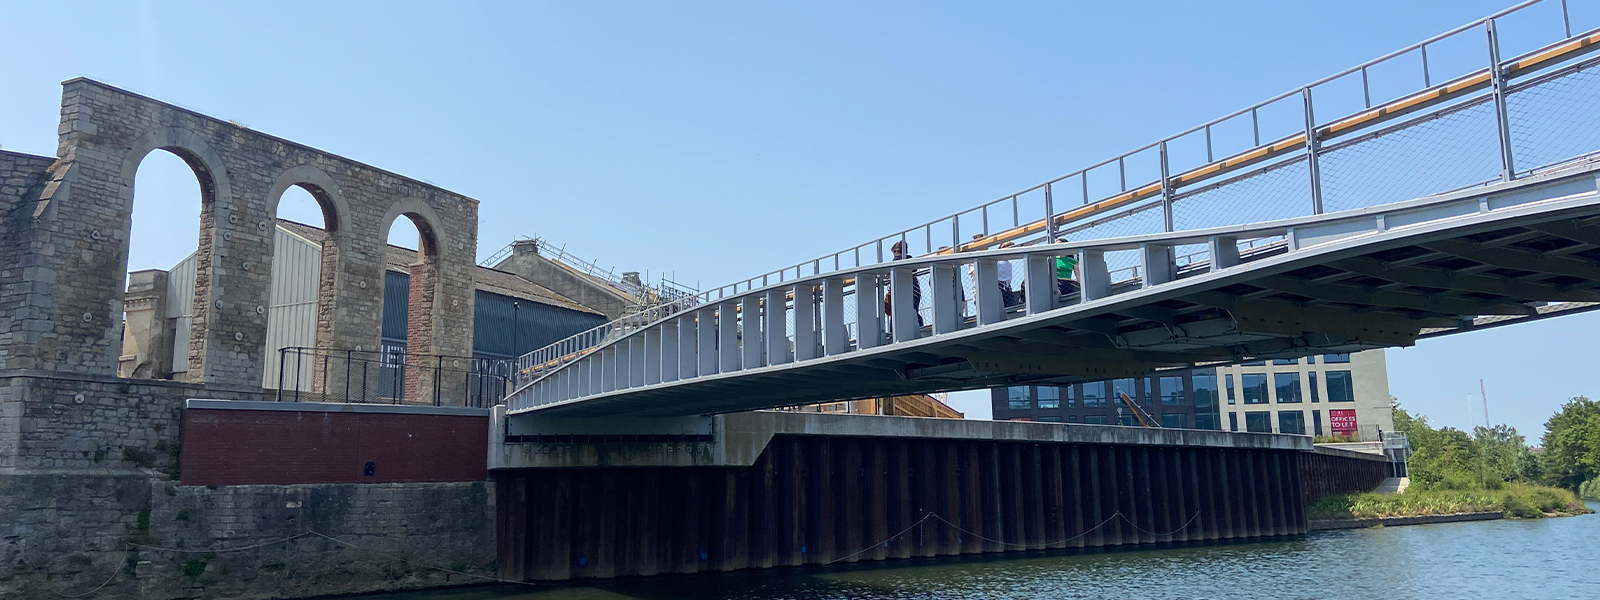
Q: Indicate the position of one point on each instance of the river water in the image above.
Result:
(1544, 558)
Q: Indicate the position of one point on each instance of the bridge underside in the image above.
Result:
(1484, 259)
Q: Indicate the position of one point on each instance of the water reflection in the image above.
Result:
(1549, 558)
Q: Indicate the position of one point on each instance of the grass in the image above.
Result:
(1518, 501)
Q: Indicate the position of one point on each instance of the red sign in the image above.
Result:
(1343, 422)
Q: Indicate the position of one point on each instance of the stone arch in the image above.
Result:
(335, 215)
(215, 189)
(423, 322)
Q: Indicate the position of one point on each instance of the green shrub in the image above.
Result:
(1517, 500)
(1590, 490)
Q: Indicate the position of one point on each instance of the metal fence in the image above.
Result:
(1496, 99)
(390, 377)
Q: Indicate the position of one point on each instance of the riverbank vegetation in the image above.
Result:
(1490, 469)
(1516, 500)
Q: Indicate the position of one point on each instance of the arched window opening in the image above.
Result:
(408, 290)
(302, 231)
(163, 235)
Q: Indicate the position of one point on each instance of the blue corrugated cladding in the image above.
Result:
(537, 325)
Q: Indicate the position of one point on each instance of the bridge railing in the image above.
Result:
(1428, 118)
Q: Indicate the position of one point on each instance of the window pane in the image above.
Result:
(1258, 422)
(1171, 390)
(1335, 358)
(1175, 421)
(1311, 382)
(1123, 386)
(1229, 379)
(1127, 420)
(1340, 387)
(1049, 393)
(1095, 420)
(1288, 385)
(1094, 395)
(1233, 421)
(1049, 419)
(1017, 398)
(1316, 422)
(1255, 388)
(1292, 421)
(1205, 389)
(1072, 396)
(1205, 421)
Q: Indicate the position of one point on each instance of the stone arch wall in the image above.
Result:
(81, 234)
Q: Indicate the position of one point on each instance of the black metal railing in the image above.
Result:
(390, 376)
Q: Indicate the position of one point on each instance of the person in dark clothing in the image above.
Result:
(900, 253)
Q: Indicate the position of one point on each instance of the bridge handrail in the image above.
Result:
(1431, 95)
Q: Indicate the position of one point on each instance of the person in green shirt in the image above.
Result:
(1066, 274)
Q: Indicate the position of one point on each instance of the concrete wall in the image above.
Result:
(77, 244)
(237, 443)
(65, 536)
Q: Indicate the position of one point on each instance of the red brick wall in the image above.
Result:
(239, 447)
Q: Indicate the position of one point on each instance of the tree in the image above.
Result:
(1572, 444)
(1440, 458)
(1505, 454)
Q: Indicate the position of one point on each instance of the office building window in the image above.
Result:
(1123, 386)
(1316, 422)
(1288, 385)
(1292, 421)
(1233, 421)
(1205, 389)
(1255, 388)
(1172, 391)
(1127, 420)
(1017, 398)
(1258, 421)
(1049, 397)
(1205, 421)
(1340, 387)
(1311, 382)
(1049, 419)
(1071, 394)
(1094, 395)
(1095, 420)
(1228, 378)
(1175, 421)
(1329, 359)
(1072, 418)
(1285, 361)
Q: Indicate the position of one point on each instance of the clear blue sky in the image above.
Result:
(719, 140)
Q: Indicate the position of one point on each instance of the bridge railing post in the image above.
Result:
(946, 290)
(1224, 252)
(991, 304)
(688, 360)
(728, 336)
(1313, 147)
(669, 351)
(775, 325)
(805, 321)
(835, 338)
(1497, 82)
(652, 360)
(1040, 271)
(1096, 276)
(705, 329)
(902, 281)
(1166, 191)
(637, 359)
(869, 310)
(750, 331)
(1159, 264)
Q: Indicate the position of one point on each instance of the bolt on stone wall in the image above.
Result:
(78, 239)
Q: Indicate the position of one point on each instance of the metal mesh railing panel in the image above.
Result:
(1452, 151)
(1555, 120)
(1279, 193)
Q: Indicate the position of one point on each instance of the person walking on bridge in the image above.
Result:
(1067, 274)
(899, 249)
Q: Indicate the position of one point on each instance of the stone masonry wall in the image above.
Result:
(78, 239)
(22, 176)
(142, 537)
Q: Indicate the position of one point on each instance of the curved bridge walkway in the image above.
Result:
(1325, 240)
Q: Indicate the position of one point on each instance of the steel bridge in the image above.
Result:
(1467, 200)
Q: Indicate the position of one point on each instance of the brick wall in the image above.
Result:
(235, 447)
(21, 177)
